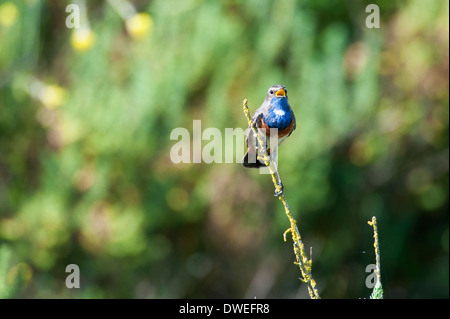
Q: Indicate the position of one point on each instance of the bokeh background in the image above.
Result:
(86, 177)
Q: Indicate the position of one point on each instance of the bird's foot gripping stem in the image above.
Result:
(279, 190)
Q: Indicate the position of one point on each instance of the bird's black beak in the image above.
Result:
(281, 93)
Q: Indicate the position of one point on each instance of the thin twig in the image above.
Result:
(303, 262)
(377, 292)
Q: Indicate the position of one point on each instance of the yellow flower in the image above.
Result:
(139, 25)
(52, 96)
(8, 14)
(82, 39)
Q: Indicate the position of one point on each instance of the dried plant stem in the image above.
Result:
(303, 262)
(377, 292)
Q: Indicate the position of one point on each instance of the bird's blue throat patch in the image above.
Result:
(279, 115)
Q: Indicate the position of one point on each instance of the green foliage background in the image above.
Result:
(90, 181)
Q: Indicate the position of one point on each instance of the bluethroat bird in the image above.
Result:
(274, 113)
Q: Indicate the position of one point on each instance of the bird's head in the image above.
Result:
(277, 91)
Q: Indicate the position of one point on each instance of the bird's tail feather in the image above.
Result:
(251, 164)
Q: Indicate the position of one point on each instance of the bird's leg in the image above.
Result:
(280, 187)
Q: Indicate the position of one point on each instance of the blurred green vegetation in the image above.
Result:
(86, 177)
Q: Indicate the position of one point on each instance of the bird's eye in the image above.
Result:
(271, 91)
